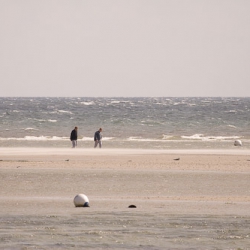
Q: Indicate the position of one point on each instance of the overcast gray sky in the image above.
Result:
(125, 48)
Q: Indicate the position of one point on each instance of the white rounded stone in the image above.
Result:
(238, 143)
(81, 200)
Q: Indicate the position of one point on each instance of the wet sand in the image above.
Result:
(184, 199)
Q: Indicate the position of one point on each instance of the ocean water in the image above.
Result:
(156, 123)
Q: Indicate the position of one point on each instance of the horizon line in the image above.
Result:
(124, 96)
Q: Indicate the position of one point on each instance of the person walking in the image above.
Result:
(73, 137)
(98, 138)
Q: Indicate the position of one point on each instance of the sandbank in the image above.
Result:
(185, 199)
(172, 181)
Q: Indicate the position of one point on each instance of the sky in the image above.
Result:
(124, 48)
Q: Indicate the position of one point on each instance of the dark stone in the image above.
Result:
(132, 206)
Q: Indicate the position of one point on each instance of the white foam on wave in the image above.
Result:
(65, 111)
(30, 129)
(86, 139)
(51, 138)
(166, 137)
(36, 138)
(92, 138)
(108, 138)
(40, 120)
(140, 139)
(115, 102)
(88, 103)
(231, 111)
(52, 120)
(45, 138)
(209, 138)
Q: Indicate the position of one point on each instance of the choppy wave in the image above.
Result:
(139, 139)
(209, 138)
(27, 129)
(65, 111)
(88, 103)
(36, 138)
(231, 126)
(39, 120)
(50, 138)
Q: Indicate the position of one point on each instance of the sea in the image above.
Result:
(147, 123)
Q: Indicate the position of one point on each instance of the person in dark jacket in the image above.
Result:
(98, 138)
(73, 137)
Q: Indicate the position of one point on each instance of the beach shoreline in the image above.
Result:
(4, 151)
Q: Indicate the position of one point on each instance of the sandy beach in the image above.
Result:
(185, 199)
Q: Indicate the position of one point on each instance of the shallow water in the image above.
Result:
(124, 230)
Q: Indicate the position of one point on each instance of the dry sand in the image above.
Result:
(42, 183)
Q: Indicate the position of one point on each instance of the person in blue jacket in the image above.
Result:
(98, 138)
